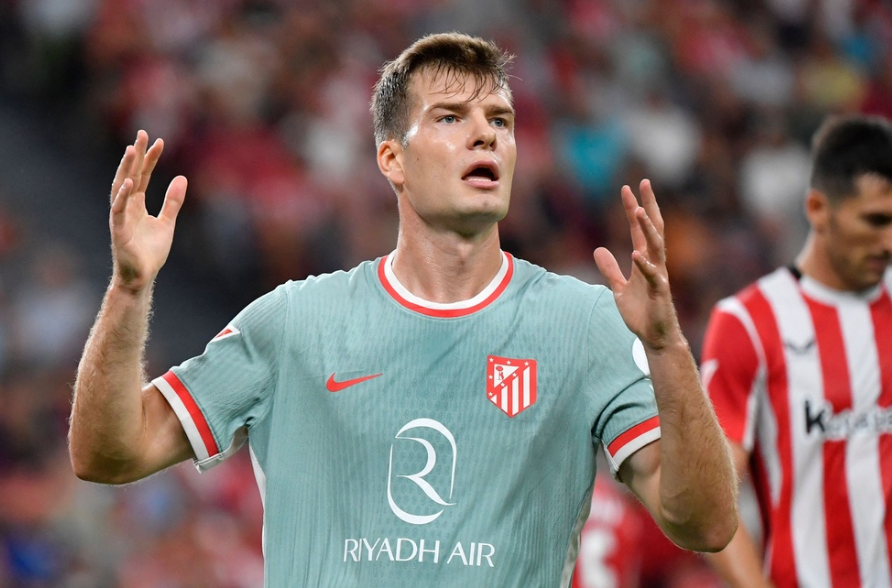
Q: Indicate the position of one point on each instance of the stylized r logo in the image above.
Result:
(418, 478)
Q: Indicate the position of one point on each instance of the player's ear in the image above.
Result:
(817, 209)
(390, 161)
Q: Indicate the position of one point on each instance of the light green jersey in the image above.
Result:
(399, 442)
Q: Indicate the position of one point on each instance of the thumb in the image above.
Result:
(173, 199)
(609, 268)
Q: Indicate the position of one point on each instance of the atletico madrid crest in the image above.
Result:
(511, 383)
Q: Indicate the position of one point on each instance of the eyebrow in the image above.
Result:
(462, 108)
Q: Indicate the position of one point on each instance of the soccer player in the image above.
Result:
(429, 418)
(799, 368)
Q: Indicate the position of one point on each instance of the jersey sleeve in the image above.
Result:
(729, 371)
(221, 393)
(626, 413)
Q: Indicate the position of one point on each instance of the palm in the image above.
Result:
(141, 242)
(632, 300)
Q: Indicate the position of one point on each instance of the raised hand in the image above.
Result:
(644, 299)
(141, 242)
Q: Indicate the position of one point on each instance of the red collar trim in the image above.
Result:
(447, 310)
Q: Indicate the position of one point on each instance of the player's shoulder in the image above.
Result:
(781, 278)
(538, 280)
(567, 298)
(317, 292)
(340, 282)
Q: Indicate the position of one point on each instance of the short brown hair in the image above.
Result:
(452, 54)
(847, 147)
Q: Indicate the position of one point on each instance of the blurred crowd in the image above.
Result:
(263, 105)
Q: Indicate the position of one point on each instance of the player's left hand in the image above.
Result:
(644, 299)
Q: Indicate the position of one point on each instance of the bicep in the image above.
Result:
(640, 472)
(164, 441)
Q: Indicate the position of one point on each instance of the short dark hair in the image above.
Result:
(452, 54)
(847, 147)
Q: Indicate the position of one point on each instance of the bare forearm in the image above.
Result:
(107, 418)
(698, 486)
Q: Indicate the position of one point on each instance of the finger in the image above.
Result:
(656, 246)
(650, 271)
(173, 200)
(142, 141)
(121, 173)
(119, 204)
(649, 202)
(151, 161)
(630, 206)
(609, 268)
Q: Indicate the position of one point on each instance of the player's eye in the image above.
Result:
(499, 122)
(878, 220)
(448, 119)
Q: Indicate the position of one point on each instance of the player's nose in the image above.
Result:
(481, 135)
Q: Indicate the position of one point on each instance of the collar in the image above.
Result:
(445, 309)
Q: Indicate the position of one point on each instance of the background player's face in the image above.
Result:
(459, 154)
(857, 234)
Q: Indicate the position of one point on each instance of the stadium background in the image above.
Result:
(263, 105)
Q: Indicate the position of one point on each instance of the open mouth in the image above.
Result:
(482, 172)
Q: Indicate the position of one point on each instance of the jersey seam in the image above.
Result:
(589, 358)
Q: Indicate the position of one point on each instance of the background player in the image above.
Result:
(412, 336)
(799, 368)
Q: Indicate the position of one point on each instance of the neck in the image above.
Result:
(447, 268)
(813, 262)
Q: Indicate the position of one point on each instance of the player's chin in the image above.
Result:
(876, 266)
(472, 222)
(868, 277)
(489, 214)
(492, 204)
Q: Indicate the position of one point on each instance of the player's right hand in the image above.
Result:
(141, 242)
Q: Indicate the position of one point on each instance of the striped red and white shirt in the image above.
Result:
(801, 376)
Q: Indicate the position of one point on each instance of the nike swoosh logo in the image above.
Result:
(799, 349)
(334, 386)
